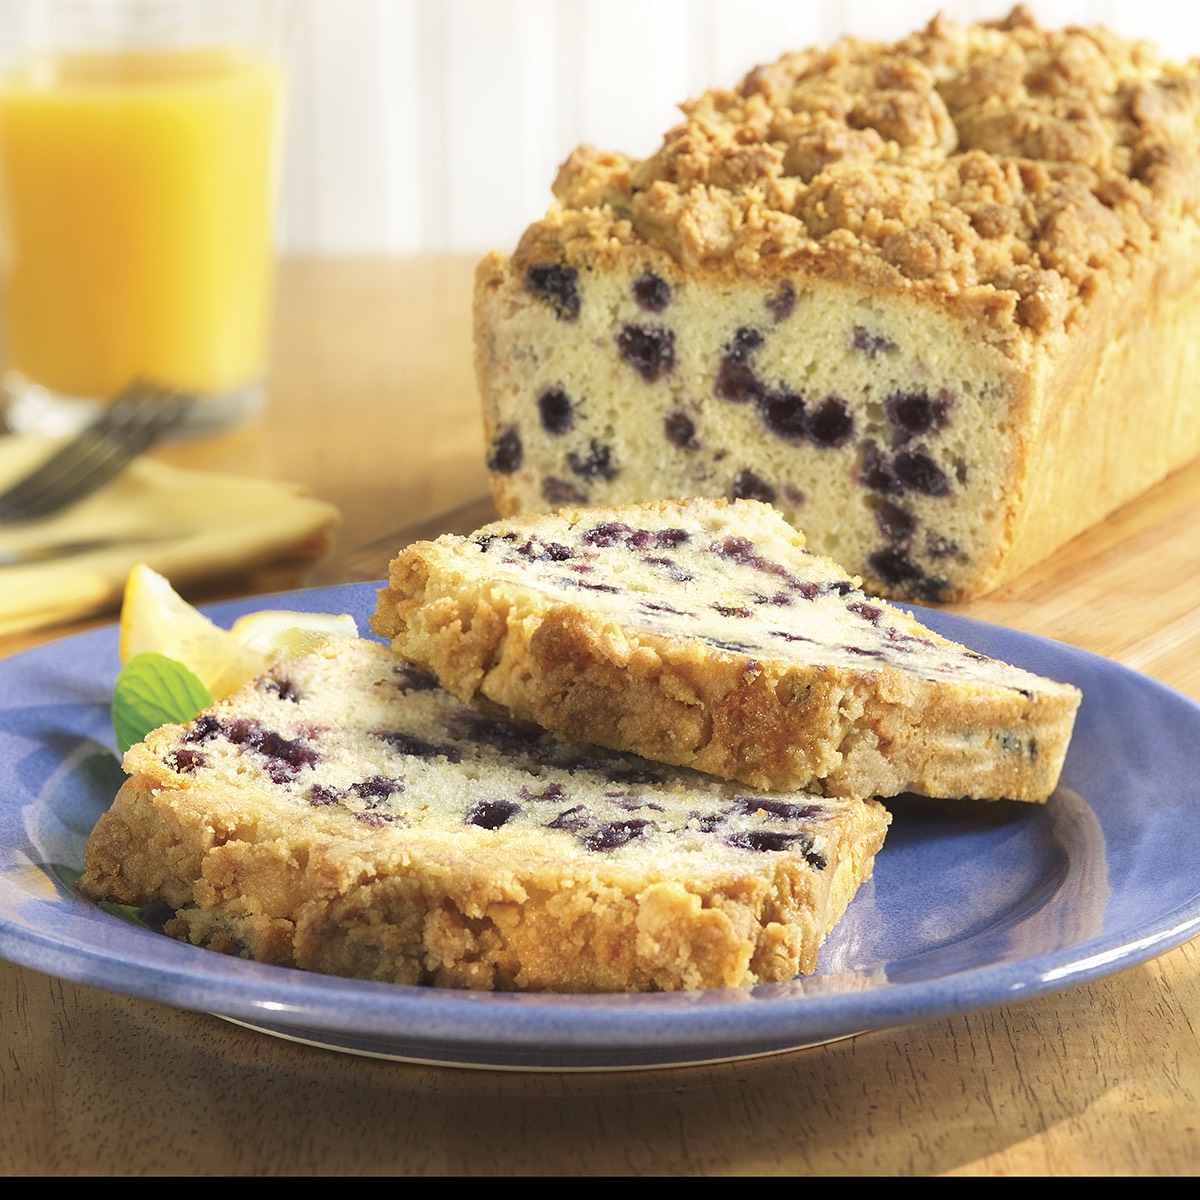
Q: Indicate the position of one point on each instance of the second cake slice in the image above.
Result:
(703, 633)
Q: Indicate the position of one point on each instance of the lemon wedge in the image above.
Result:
(277, 632)
(155, 618)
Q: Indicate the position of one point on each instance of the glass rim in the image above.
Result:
(31, 27)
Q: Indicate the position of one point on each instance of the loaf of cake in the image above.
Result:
(344, 814)
(703, 633)
(938, 301)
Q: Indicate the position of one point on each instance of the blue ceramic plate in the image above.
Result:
(971, 904)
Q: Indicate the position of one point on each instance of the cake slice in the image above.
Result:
(703, 633)
(344, 814)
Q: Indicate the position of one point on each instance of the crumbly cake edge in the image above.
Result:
(415, 912)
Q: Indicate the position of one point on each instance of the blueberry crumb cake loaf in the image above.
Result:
(344, 814)
(939, 301)
(703, 633)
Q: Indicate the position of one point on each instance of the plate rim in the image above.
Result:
(627, 1029)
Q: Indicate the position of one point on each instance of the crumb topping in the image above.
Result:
(1002, 168)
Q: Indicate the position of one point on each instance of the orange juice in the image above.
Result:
(136, 204)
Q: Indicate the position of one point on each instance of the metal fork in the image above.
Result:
(141, 415)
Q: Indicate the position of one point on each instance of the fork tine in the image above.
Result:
(136, 419)
(107, 451)
(75, 454)
(89, 446)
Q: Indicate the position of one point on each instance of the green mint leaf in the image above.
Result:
(154, 690)
(125, 911)
(67, 877)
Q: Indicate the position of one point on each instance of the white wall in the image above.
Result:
(437, 125)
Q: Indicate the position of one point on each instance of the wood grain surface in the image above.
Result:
(373, 407)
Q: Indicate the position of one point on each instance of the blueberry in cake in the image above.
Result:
(703, 633)
(344, 814)
(938, 301)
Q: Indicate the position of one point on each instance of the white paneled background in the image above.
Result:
(425, 126)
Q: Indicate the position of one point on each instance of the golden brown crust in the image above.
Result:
(772, 723)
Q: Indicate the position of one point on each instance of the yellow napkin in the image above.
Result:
(187, 525)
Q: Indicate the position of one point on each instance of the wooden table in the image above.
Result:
(373, 406)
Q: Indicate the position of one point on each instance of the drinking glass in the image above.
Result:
(139, 155)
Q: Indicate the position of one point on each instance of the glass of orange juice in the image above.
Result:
(139, 150)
